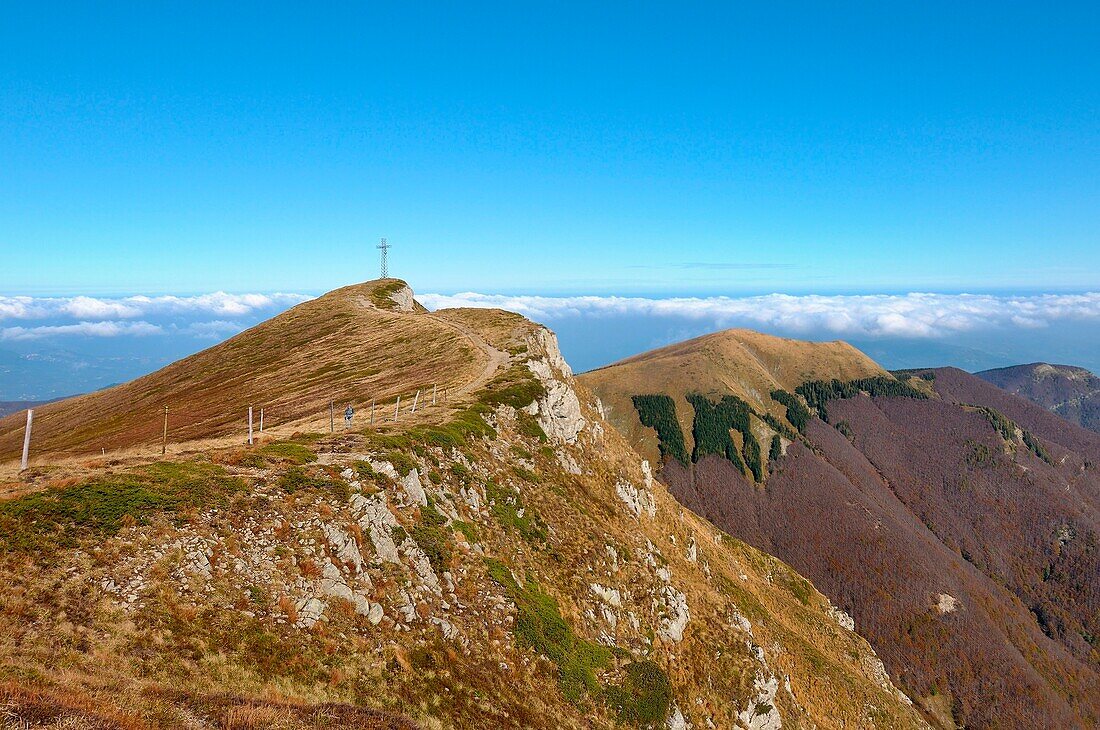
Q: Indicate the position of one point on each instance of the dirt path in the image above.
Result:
(495, 358)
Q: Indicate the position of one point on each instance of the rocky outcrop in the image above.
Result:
(559, 410)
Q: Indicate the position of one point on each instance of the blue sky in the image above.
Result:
(630, 174)
(674, 149)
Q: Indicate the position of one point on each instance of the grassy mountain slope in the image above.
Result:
(504, 561)
(1071, 392)
(739, 362)
(956, 523)
(354, 344)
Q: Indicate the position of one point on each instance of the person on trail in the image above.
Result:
(348, 413)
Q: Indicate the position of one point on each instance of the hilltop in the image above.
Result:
(356, 344)
(1071, 392)
(738, 362)
(503, 559)
(956, 523)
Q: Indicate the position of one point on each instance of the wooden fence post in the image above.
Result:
(27, 440)
(250, 425)
(372, 412)
(331, 416)
(397, 408)
(433, 395)
(164, 436)
(416, 400)
(261, 419)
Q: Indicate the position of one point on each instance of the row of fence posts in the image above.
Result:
(396, 407)
(251, 434)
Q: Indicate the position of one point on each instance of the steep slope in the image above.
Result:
(740, 362)
(355, 344)
(1071, 392)
(506, 561)
(956, 523)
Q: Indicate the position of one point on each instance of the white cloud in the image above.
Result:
(215, 329)
(81, 329)
(878, 315)
(218, 304)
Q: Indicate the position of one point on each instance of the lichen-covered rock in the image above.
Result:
(310, 610)
(345, 547)
(379, 524)
(414, 489)
(638, 501)
(673, 607)
(761, 712)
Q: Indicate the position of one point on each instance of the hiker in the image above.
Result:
(348, 413)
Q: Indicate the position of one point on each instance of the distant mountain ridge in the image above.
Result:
(957, 523)
(1071, 392)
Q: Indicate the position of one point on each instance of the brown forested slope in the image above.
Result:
(969, 561)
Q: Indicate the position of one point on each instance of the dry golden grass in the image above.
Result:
(339, 347)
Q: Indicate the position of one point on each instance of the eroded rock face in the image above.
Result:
(379, 524)
(675, 610)
(761, 713)
(414, 489)
(842, 618)
(559, 411)
(403, 300)
(638, 501)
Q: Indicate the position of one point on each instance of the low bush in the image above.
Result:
(433, 537)
(540, 625)
(507, 506)
(44, 521)
(644, 697)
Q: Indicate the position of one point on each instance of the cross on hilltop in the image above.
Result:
(385, 247)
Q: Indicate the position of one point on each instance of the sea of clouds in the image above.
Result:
(912, 315)
(213, 315)
(60, 345)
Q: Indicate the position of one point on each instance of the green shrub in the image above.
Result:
(433, 537)
(45, 521)
(402, 462)
(644, 697)
(659, 413)
(296, 478)
(527, 425)
(468, 530)
(711, 429)
(517, 387)
(506, 506)
(540, 625)
(819, 392)
(845, 429)
(797, 414)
